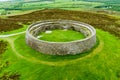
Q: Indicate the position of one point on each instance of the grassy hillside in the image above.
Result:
(103, 1)
(23, 63)
(113, 5)
(20, 6)
(101, 21)
(20, 62)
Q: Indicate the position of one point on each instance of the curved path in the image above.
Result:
(10, 35)
(59, 63)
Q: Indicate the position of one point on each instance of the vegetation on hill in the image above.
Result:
(3, 46)
(101, 21)
(19, 61)
(11, 24)
(20, 6)
(100, 63)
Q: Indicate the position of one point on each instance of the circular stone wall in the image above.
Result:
(60, 48)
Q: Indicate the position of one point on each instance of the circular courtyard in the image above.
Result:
(77, 46)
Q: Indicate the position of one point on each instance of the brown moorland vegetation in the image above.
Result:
(10, 24)
(8, 76)
(101, 21)
(3, 46)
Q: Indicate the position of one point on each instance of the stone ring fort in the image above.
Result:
(61, 48)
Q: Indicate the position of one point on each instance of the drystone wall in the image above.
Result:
(61, 48)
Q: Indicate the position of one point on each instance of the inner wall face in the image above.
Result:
(61, 48)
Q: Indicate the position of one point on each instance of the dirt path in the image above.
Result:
(10, 35)
(59, 63)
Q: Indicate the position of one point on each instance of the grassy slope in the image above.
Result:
(98, 65)
(113, 5)
(15, 31)
(36, 5)
(101, 65)
(101, 21)
(63, 36)
(24, 7)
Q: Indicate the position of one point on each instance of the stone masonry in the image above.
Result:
(61, 48)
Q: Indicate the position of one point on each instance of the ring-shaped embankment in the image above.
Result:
(61, 48)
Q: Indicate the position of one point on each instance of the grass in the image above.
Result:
(34, 65)
(63, 36)
(101, 63)
(15, 31)
(20, 7)
(42, 56)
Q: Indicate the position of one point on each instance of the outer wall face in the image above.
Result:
(61, 48)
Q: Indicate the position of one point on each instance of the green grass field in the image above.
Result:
(14, 8)
(22, 7)
(101, 63)
(18, 61)
(62, 36)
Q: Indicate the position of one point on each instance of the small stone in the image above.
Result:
(65, 29)
(48, 32)
(39, 36)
